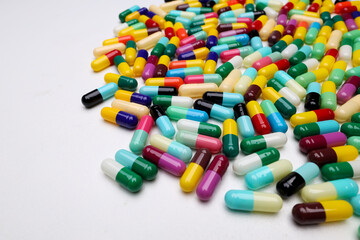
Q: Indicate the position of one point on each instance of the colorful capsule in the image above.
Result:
(320, 212)
(225, 47)
(249, 201)
(345, 50)
(245, 80)
(133, 97)
(312, 116)
(130, 107)
(275, 119)
(296, 180)
(332, 190)
(263, 176)
(215, 111)
(267, 60)
(119, 173)
(164, 61)
(328, 95)
(312, 98)
(183, 14)
(233, 32)
(150, 41)
(225, 99)
(289, 82)
(190, 47)
(184, 72)
(355, 118)
(329, 59)
(198, 141)
(186, 64)
(229, 82)
(319, 47)
(267, 29)
(256, 56)
(327, 140)
(192, 39)
(344, 113)
(156, 18)
(164, 160)
(256, 143)
(282, 104)
(123, 67)
(137, 164)
(105, 60)
(212, 39)
(205, 16)
(258, 118)
(312, 33)
(165, 82)
(136, 14)
(292, 48)
(243, 120)
(200, 53)
(175, 113)
(276, 34)
(150, 66)
(315, 128)
(299, 56)
(270, 70)
(356, 53)
(172, 147)
(162, 121)
(308, 65)
(153, 91)
(122, 39)
(123, 26)
(196, 90)
(140, 61)
(355, 203)
(340, 170)
(230, 138)
(210, 64)
(242, 52)
(212, 177)
(205, 78)
(284, 91)
(169, 30)
(118, 117)
(255, 89)
(166, 101)
(318, 75)
(202, 128)
(180, 31)
(141, 134)
(351, 129)
(99, 95)
(230, 65)
(130, 52)
(184, 21)
(282, 43)
(348, 89)
(125, 13)
(99, 51)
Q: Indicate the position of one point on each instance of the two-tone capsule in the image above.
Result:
(334, 139)
(198, 141)
(340, 170)
(276, 121)
(257, 143)
(162, 121)
(133, 97)
(312, 116)
(141, 134)
(333, 154)
(99, 95)
(315, 128)
(176, 113)
(215, 111)
(243, 120)
(202, 128)
(166, 101)
(230, 138)
(119, 117)
(258, 118)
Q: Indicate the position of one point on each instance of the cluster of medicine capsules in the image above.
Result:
(309, 48)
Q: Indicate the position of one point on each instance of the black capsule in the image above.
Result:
(203, 105)
(312, 101)
(172, 91)
(156, 111)
(290, 184)
(240, 110)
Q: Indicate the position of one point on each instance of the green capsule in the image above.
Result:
(350, 129)
(194, 30)
(325, 16)
(312, 33)
(300, 55)
(352, 72)
(249, 7)
(176, 113)
(257, 143)
(352, 35)
(230, 65)
(328, 96)
(159, 48)
(202, 128)
(354, 141)
(338, 72)
(315, 128)
(125, 83)
(356, 117)
(230, 138)
(318, 50)
(357, 91)
(279, 46)
(340, 170)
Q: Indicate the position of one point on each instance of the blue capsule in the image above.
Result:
(99, 95)
(275, 119)
(215, 111)
(162, 121)
(184, 72)
(245, 126)
(256, 43)
(213, 56)
(355, 201)
(153, 91)
(176, 113)
(211, 41)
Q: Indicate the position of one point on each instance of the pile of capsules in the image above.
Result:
(309, 48)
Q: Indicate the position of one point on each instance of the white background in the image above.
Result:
(51, 146)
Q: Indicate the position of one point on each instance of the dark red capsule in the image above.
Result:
(309, 213)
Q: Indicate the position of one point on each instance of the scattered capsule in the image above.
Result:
(256, 56)
(225, 69)
(312, 33)
(315, 128)
(184, 72)
(282, 104)
(190, 47)
(184, 21)
(210, 64)
(333, 154)
(165, 82)
(183, 14)
(172, 147)
(326, 140)
(169, 30)
(243, 121)
(267, 60)
(230, 138)
(157, 18)
(120, 118)
(350, 129)
(215, 111)
(329, 59)
(275, 119)
(212, 177)
(328, 95)
(258, 118)
(162, 121)
(164, 160)
(345, 50)
(332, 190)
(282, 43)
(355, 203)
(99, 95)
(123, 26)
(319, 47)
(313, 97)
(150, 66)
(348, 89)
(299, 56)
(141, 134)
(153, 91)
(308, 65)
(284, 91)
(119, 173)
(123, 67)
(340, 170)
(356, 117)
(166, 101)
(205, 78)
(344, 113)
(99, 51)
(195, 170)
(276, 33)
(186, 64)
(261, 177)
(270, 70)
(225, 99)
(136, 14)
(198, 141)
(202, 128)
(245, 80)
(130, 52)
(125, 13)
(354, 141)
(140, 61)
(312, 116)
(320, 212)
(133, 97)
(105, 60)
(255, 89)
(176, 113)
(130, 107)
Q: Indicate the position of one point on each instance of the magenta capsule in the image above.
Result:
(271, 58)
(242, 51)
(290, 27)
(164, 160)
(348, 90)
(349, 22)
(307, 144)
(233, 32)
(190, 47)
(212, 177)
(150, 66)
(282, 17)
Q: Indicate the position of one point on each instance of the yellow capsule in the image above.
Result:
(207, 27)
(268, 71)
(167, 7)
(334, 40)
(133, 108)
(214, 21)
(130, 55)
(164, 60)
(345, 111)
(324, 9)
(124, 69)
(108, 48)
(263, 19)
(328, 86)
(280, 28)
(294, 1)
(321, 74)
(288, 39)
(340, 25)
(140, 34)
(302, 118)
(249, 2)
(300, 32)
(100, 63)
(218, 6)
(175, 40)
(168, 24)
(157, 10)
(307, 19)
(201, 53)
(195, 4)
(356, 58)
(236, 6)
(230, 127)
(267, 29)
(229, 82)
(325, 31)
(191, 177)
(150, 41)
(345, 153)
(139, 66)
(329, 4)
(131, 16)
(178, 26)
(271, 94)
(213, 32)
(210, 67)
(126, 31)
(260, 81)
(159, 20)
(327, 62)
(109, 114)
(320, 39)
(197, 90)
(337, 210)
(300, 6)
(340, 65)
(253, 108)
(123, 95)
(194, 63)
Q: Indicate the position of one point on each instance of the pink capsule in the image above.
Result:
(273, 57)
(198, 141)
(327, 140)
(150, 66)
(211, 15)
(282, 17)
(248, 21)
(194, 79)
(212, 177)
(190, 47)
(233, 32)
(347, 91)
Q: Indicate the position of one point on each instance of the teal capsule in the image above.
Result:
(241, 38)
(318, 50)
(299, 56)
(159, 48)
(328, 95)
(315, 128)
(137, 164)
(354, 141)
(141, 134)
(325, 16)
(176, 113)
(199, 10)
(183, 14)
(185, 22)
(352, 71)
(312, 33)
(275, 119)
(225, 47)
(198, 18)
(256, 43)
(338, 73)
(184, 72)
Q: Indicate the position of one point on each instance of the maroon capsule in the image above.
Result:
(290, 28)
(164, 160)
(202, 157)
(225, 27)
(160, 71)
(322, 156)
(311, 143)
(153, 30)
(309, 213)
(274, 37)
(224, 9)
(252, 93)
(187, 47)
(182, 7)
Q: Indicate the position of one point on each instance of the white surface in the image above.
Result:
(51, 183)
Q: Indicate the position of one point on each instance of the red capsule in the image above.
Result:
(288, 6)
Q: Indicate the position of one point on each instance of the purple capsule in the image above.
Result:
(349, 22)
(190, 47)
(212, 56)
(282, 18)
(150, 67)
(233, 32)
(143, 11)
(348, 90)
(290, 28)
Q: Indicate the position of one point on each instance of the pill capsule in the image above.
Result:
(257, 143)
(160, 47)
(156, 17)
(204, 78)
(210, 64)
(258, 118)
(215, 111)
(233, 32)
(242, 52)
(350, 129)
(162, 121)
(292, 48)
(332, 190)
(256, 160)
(245, 80)
(136, 14)
(230, 138)
(249, 201)
(197, 90)
(137, 164)
(130, 52)
(308, 65)
(119, 173)
(180, 31)
(333, 154)
(225, 47)
(270, 70)
(198, 141)
(299, 56)
(212, 39)
(255, 89)
(276, 33)
(255, 41)
(165, 101)
(133, 97)
(312, 116)
(186, 64)
(243, 39)
(105, 60)
(348, 89)
(141, 134)
(140, 61)
(356, 117)
(172, 147)
(328, 95)
(311, 143)
(195, 170)
(153, 91)
(170, 5)
(123, 67)
(312, 33)
(128, 31)
(205, 16)
(99, 51)
(344, 113)
(284, 91)
(255, 56)
(183, 14)
(118, 117)
(202, 128)
(123, 14)
(122, 39)
(340, 170)
(150, 41)
(329, 59)
(243, 120)
(315, 128)
(312, 98)
(318, 75)
(203, 22)
(164, 160)
(99, 95)
(320, 212)
(195, 38)
(355, 203)
(296, 180)
(212, 177)
(225, 99)
(282, 43)
(275, 119)
(266, 175)
(190, 47)
(225, 69)
(130, 107)
(282, 104)
(184, 72)
(165, 82)
(150, 66)
(229, 82)
(169, 30)
(175, 113)
(267, 60)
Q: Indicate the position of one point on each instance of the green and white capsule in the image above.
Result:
(117, 172)
(257, 143)
(166, 101)
(207, 129)
(340, 170)
(284, 91)
(256, 160)
(308, 65)
(292, 48)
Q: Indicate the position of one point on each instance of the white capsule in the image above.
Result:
(157, 10)
(270, 13)
(345, 53)
(99, 51)
(311, 64)
(247, 164)
(236, 61)
(120, 27)
(250, 59)
(185, 102)
(290, 96)
(167, 7)
(289, 51)
(296, 88)
(188, 125)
